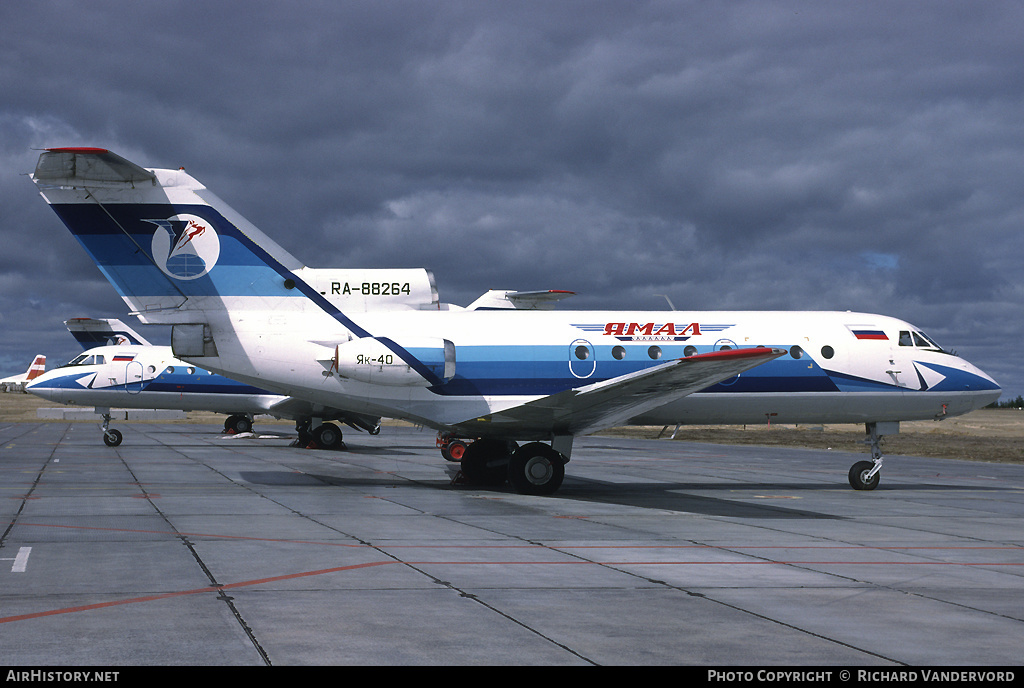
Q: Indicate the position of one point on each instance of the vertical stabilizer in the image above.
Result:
(157, 235)
(37, 368)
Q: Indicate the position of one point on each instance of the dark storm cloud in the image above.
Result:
(789, 155)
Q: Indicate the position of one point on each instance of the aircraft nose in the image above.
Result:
(41, 386)
(983, 389)
(984, 379)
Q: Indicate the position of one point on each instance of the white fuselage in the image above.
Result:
(145, 376)
(841, 367)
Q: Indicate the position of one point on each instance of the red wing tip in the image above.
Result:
(739, 353)
(79, 149)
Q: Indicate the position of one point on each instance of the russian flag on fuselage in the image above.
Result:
(869, 334)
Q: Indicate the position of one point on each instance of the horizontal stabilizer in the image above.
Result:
(498, 299)
(71, 166)
(90, 332)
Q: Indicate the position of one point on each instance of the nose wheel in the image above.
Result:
(111, 437)
(864, 475)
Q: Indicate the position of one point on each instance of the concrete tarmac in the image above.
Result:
(183, 546)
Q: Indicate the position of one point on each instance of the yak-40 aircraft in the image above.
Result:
(516, 385)
(121, 369)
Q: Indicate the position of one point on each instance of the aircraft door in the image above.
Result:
(582, 358)
(133, 377)
(901, 365)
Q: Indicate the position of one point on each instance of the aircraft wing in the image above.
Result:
(612, 402)
(292, 407)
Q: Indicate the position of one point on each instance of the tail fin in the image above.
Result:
(178, 255)
(37, 368)
(160, 237)
(92, 332)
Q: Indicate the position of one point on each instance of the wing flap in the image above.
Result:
(614, 401)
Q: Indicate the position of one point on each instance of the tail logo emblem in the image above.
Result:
(185, 247)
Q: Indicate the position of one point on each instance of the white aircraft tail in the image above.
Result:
(157, 235)
(179, 255)
(173, 249)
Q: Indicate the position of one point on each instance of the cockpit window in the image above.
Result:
(918, 339)
(86, 359)
(929, 343)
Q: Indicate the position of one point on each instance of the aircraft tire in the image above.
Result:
(112, 438)
(327, 436)
(238, 423)
(858, 476)
(454, 450)
(485, 463)
(536, 469)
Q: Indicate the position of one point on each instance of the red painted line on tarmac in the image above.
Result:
(714, 563)
(169, 595)
(353, 567)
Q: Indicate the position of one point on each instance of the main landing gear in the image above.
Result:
(322, 436)
(238, 424)
(864, 475)
(536, 468)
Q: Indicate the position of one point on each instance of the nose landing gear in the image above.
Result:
(111, 437)
(864, 475)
